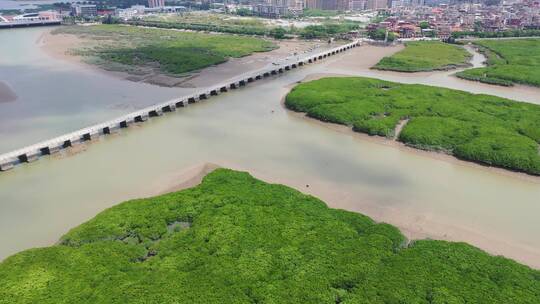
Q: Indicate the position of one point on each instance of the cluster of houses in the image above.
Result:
(442, 20)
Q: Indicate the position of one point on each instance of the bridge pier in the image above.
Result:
(280, 70)
(108, 130)
(203, 96)
(223, 89)
(287, 68)
(266, 74)
(191, 100)
(88, 136)
(250, 79)
(29, 157)
(213, 92)
(169, 108)
(141, 118)
(181, 103)
(155, 113)
(258, 77)
(51, 149)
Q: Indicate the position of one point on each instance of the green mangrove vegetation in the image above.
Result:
(498, 34)
(173, 52)
(235, 239)
(421, 56)
(510, 61)
(475, 127)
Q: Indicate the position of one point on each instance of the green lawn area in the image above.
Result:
(235, 239)
(421, 56)
(480, 128)
(513, 61)
(173, 52)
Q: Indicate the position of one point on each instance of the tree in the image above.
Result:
(424, 25)
(278, 33)
(244, 12)
(381, 34)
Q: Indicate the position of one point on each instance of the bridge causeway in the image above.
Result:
(34, 152)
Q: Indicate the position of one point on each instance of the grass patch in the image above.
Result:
(172, 52)
(514, 61)
(252, 242)
(197, 21)
(421, 56)
(480, 128)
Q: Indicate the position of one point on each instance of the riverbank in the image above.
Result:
(195, 246)
(469, 126)
(358, 62)
(426, 56)
(413, 226)
(509, 62)
(394, 143)
(62, 46)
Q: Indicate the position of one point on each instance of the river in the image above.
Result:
(425, 194)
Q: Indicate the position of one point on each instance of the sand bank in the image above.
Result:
(6, 93)
(412, 225)
(62, 46)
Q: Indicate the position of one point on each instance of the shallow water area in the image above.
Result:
(425, 194)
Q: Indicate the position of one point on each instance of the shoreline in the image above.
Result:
(439, 155)
(412, 226)
(450, 67)
(60, 46)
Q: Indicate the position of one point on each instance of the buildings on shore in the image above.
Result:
(440, 21)
(156, 3)
(31, 19)
(84, 10)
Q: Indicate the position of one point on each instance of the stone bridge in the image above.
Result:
(34, 152)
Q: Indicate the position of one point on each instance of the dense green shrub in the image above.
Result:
(241, 240)
(509, 62)
(382, 34)
(480, 128)
(425, 56)
(327, 29)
